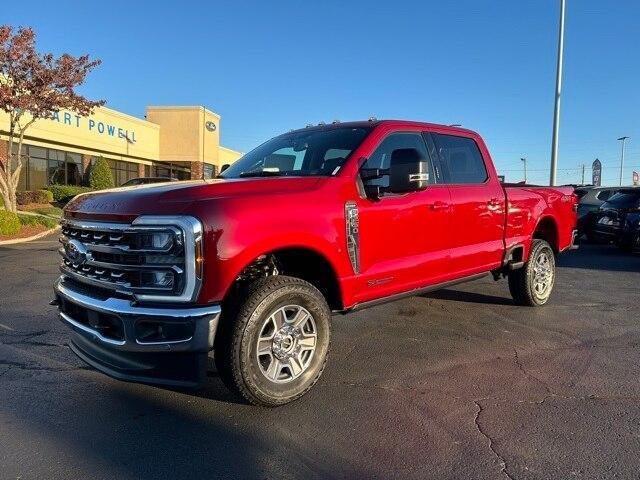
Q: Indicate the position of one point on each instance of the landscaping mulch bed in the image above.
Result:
(25, 232)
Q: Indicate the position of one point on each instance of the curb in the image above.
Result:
(28, 239)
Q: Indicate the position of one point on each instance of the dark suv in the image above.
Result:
(591, 198)
(618, 218)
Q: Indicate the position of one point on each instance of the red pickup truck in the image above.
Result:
(251, 265)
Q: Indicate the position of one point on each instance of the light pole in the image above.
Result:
(524, 162)
(556, 109)
(623, 139)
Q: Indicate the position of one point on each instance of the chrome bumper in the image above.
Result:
(204, 321)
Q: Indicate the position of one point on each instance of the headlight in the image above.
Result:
(156, 241)
(157, 279)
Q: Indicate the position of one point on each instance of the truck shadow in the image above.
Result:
(469, 297)
(131, 431)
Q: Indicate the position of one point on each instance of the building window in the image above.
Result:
(171, 170)
(46, 166)
(209, 171)
(122, 171)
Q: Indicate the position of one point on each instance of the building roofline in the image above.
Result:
(182, 107)
(126, 116)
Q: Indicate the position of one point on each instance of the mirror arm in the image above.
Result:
(373, 173)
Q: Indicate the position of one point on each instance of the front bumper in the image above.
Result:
(128, 342)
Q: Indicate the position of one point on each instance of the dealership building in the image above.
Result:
(182, 142)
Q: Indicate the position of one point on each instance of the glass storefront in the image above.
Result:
(47, 166)
(171, 170)
(122, 172)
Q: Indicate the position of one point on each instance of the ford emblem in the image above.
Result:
(75, 252)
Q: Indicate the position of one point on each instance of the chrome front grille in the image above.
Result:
(153, 259)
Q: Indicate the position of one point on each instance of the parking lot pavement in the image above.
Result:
(455, 384)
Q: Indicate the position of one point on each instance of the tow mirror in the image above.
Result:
(408, 171)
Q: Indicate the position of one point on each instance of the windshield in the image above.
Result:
(624, 199)
(300, 153)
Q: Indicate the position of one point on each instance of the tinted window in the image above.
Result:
(625, 199)
(604, 194)
(460, 159)
(382, 155)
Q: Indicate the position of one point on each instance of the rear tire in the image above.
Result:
(532, 284)
(272, 348)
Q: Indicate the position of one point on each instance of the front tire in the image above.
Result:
(273, 347)
(532, 284)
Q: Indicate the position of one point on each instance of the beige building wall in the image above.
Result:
(190, 134)
(106, 132)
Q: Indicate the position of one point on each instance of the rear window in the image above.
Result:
(625, 199)
(604, 195)
(461, 159)
(580, 192)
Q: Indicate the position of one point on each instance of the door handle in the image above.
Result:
(439, 206)
(494, 202)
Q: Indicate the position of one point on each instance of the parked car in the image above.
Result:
(618, 218)
(147, 180)
(324, 219)
(590, 200)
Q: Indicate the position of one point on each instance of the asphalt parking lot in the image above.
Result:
(453, 385)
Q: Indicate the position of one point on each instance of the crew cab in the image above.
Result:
(250, 266)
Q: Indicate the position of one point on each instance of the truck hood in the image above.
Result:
(174, 198)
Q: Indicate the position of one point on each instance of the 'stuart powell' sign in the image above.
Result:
(99, 127)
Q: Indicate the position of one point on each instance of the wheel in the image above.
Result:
(272, 348)
(532, 284)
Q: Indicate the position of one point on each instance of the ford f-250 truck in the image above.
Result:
(251, 265)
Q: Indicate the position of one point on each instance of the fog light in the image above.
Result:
(156, 241)
(156, 279)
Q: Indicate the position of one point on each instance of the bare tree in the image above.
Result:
(34, 86)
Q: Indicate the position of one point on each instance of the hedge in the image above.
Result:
(64, 193)
(34, 196)
(38, 220)
(9, 223)
(100, 177)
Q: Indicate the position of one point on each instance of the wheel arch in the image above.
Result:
(300, 261)
(547, 230)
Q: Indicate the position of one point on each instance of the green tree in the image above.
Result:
(100, 175)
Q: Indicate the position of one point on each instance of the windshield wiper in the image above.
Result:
(261, 173)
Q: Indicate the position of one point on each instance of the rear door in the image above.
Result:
(478, 204)
(404, 238)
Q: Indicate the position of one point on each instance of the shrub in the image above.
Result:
(38, 220)
(64, 193)
(9, 223)
(100, 175)
(34, 196)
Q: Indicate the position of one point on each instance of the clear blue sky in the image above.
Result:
(269, 66)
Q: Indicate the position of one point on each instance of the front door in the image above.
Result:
(403, 239)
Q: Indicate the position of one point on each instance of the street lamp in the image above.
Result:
(623, 140)
(524, 162)
(556, 109)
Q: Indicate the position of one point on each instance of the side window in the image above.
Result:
(382, 155)
(460, 159)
